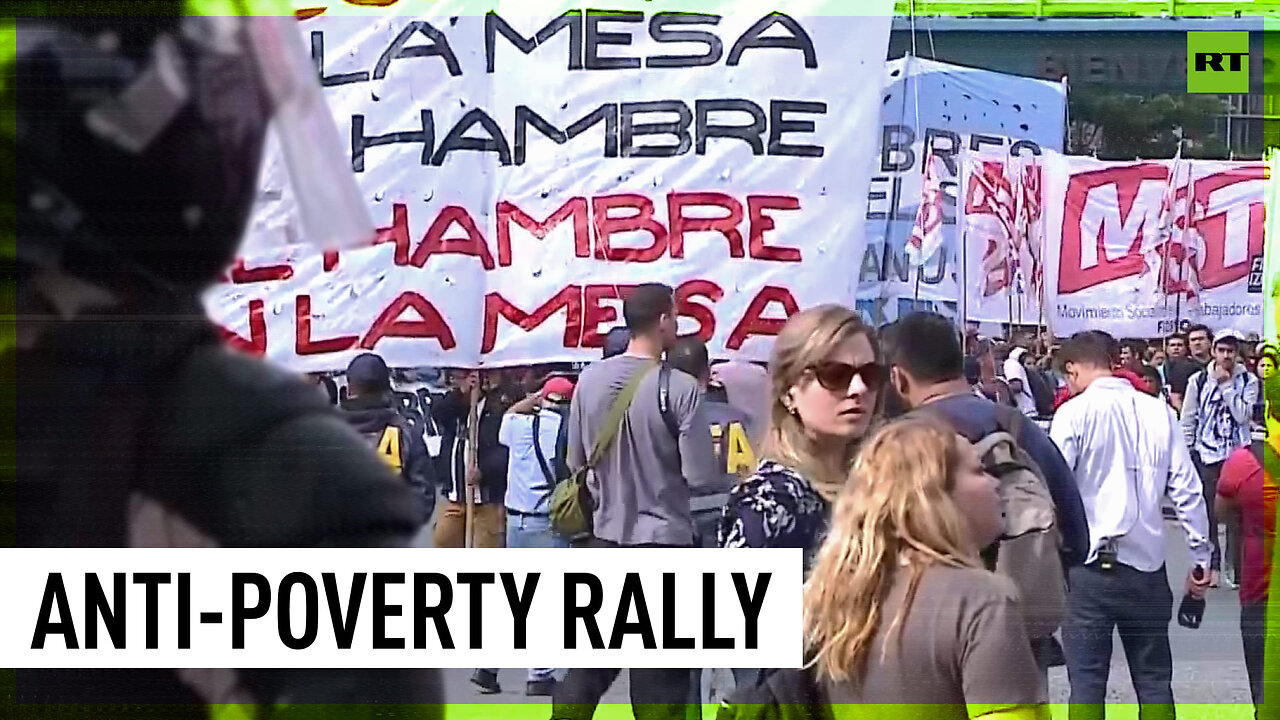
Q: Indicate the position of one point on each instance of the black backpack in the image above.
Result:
(780, 694)
(1041, 392)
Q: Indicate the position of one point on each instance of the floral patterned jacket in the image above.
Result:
(775, 508)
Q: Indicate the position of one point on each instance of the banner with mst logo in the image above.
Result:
(527, 169)
(1137, 248)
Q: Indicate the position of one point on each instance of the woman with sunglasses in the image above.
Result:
(901, 620)
(825, 381)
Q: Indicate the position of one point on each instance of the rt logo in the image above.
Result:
(1217, 62)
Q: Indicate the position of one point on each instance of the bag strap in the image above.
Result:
(559, 462)
(613, 423)
(664, 401)
(989, 443)
(537, 449)
(1010, 420)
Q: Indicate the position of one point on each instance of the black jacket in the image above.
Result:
(397, 439)
(220, 446)
(450, 414)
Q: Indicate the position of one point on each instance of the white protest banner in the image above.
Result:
(527, 170)
(954, 109)
(1108, 267)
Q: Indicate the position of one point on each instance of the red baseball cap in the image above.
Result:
(557, 389)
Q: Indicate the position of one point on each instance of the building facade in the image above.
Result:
(1145, 56)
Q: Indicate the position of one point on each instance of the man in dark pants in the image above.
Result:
(1127, 452)
(642, 486)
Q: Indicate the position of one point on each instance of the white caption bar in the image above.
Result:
(334, 608)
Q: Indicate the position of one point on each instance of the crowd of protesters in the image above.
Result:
(949, 542)
(888, 456)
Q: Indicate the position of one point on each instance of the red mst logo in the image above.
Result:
(1090, 216)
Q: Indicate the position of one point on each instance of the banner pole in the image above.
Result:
(1182, 257)
(1040, 278)
(473, 461)
(889, 245)
(964, 271)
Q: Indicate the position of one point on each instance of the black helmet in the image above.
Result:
(137, 145)
(138, 140)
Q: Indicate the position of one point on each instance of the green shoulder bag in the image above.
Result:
(571, 503)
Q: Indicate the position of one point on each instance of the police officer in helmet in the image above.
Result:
(136, 144)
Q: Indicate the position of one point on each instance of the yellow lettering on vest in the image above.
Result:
(389, 447)
(741, 459)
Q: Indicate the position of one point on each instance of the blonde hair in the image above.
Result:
(894, 515)
(808, 338)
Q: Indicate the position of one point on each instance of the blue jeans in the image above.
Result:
(1137, 604)
(532, 531)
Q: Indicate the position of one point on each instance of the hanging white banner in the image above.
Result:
(955, 110)
(1002, 237)
(527, 170)
(1110, 267)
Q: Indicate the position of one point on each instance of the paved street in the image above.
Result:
(1208, 664)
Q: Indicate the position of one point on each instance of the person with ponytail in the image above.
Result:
(901, 620)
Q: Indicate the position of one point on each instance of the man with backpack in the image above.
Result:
(1217, 420)
(372, 409)
(1046, 528)
(633, 467)
(535, 433)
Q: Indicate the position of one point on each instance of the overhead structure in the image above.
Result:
(1076, 8)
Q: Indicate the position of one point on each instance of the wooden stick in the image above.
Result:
(473, 458)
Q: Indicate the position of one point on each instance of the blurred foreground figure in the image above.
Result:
(137, 145)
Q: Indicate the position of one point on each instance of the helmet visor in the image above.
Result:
(332, 213)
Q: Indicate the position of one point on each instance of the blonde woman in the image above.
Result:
(899, 611)
(825, 382)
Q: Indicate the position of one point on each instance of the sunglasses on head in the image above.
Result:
(838, 376)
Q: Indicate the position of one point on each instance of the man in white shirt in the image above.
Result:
(1127, 452)
(1016, 375)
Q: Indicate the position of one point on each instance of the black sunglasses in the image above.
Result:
(838, 376)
